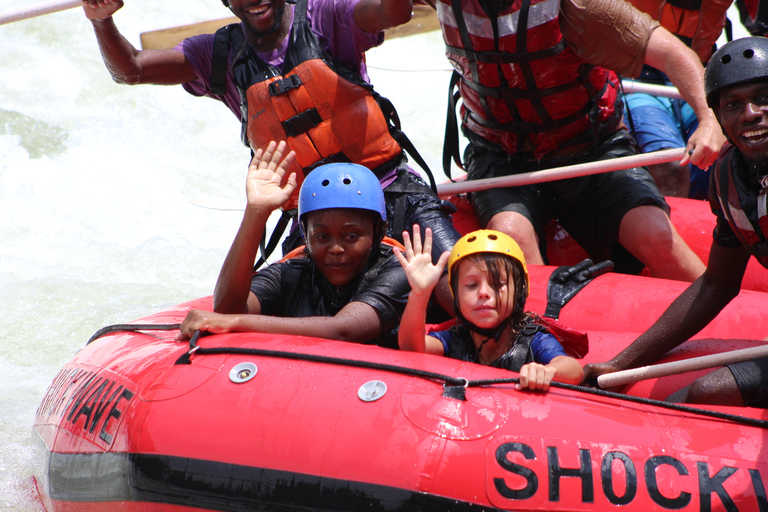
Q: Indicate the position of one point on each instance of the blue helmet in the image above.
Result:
(341, 185)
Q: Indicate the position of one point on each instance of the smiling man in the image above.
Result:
(736, 83)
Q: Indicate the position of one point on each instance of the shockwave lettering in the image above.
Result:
(698, 481)
(87, 402)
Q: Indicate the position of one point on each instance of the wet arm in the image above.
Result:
(668, 54)
(356, 322)
(567, 369)
(130, 66)
(233, 287)
(266, 190)
(698, 305)
(411, 335)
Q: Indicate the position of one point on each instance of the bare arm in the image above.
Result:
(266, 189)
(668, 54)
(378, 15)
(423, 276)
(698, 305)
(126, 64)
(356, 322)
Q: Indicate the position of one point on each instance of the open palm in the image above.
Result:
(416, 261)
(266, 186)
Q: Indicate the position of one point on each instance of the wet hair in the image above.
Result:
(226, 3)
(499, 268)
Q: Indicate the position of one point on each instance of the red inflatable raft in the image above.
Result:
(262, 422)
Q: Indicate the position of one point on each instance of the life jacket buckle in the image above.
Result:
(302, 123)
(284, 85)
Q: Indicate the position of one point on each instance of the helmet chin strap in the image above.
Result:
(491, 334)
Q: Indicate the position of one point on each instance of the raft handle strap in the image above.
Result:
(131, 328)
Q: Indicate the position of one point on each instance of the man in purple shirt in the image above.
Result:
(273, 53)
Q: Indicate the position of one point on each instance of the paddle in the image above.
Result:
(610, 380)
(664, 91)
(424, 19)
(38, 10)
(559, 173)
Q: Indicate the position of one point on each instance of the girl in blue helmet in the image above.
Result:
(347, 285)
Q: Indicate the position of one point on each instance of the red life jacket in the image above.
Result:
(698, 23)
(325, 112)
(523, 88)
(747, 213)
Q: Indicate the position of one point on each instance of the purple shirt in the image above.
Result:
(332, 20)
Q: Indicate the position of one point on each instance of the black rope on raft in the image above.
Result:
(131, 328)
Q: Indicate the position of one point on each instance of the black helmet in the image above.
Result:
(742, 60)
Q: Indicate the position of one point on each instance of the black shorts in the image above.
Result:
(590, 208)
(752, 379)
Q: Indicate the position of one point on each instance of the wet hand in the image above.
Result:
(704, 144)
(99, 10)
(535, 377)
(416, 261)
(594, 370)
(204, 321)
(266, 186)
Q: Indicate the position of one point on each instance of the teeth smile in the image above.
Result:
(755, 133)
(258, 10)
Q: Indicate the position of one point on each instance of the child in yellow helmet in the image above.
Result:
(489, 282)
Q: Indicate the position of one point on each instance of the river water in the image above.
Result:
(116, 201)
(111, 196)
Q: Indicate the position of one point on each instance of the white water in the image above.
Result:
(101, 187)
(97, 185)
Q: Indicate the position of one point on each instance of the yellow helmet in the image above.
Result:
(486, 240)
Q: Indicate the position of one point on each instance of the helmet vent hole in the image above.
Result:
(726, 59)
(325, 183)
(492, 237)
(346, 181)
(471, 239)
(748, 54)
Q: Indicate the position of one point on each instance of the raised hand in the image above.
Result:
(416, 261)
(266, 187)
(99, 10)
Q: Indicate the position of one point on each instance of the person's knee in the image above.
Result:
(521, 230)
(716, 388)
(514, 225)
(647, 232)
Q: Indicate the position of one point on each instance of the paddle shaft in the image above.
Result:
(560, 173)
(38, 10)
(664, 91)
(610, 380)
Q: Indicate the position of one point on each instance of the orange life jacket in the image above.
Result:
(324, 112)
(698, 23)
(522, 87)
